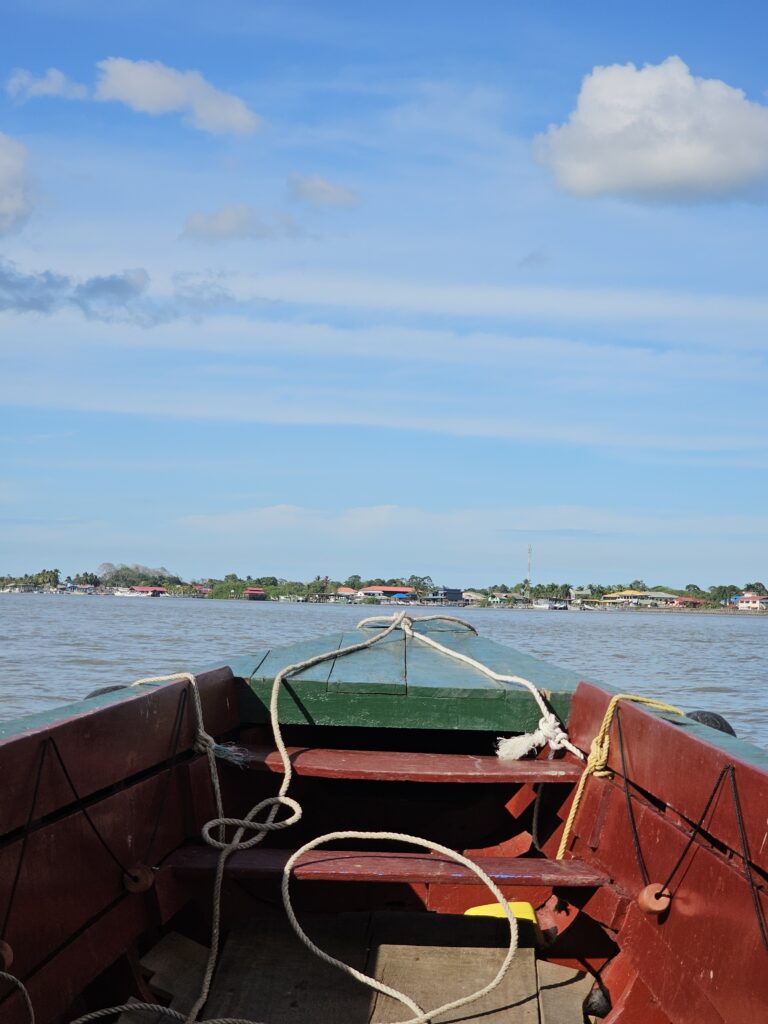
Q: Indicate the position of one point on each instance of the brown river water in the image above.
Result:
(55, 649)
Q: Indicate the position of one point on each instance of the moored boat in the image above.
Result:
(622, 880)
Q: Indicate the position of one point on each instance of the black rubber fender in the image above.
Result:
(104, 689)
(713, 720)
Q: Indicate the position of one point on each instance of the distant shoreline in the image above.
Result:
(448, 608)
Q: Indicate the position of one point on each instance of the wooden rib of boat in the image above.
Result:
(105, 883)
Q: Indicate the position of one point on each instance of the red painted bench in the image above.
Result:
(364, 866)
(389, 766)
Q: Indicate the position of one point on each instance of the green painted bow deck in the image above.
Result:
(402, 683)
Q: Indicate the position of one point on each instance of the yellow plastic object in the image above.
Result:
(523, 912)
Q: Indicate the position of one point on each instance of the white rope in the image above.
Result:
(422, 1016)
(549, 730)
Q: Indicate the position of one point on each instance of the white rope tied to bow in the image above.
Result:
(510, 748)
(549, 731)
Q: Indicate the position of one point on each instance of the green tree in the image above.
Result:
(720, 594)
(421, 584)
(756, 588)
(86, 579)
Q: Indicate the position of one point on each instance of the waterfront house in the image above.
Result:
(687, 602)
(254, 594)
(510, 597)
(150, 591)
(444, 595)
(639, 599)
(472, 597)
(385, 593)
(752, 602)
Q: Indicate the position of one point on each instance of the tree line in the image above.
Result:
(233, 585)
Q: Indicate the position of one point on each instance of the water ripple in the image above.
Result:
(56, 649)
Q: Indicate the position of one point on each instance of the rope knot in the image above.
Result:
(552, 731)
(248, 824)
(204, 742)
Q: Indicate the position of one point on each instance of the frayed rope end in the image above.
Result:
(512, 748)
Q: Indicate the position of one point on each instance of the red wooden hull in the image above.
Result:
(118, 786)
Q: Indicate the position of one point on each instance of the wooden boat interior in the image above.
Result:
(106, 882)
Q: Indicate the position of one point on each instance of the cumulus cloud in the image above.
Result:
(113, 298)
(238, 222)
(23, 85)
(320, 192)
(15, 191)
(658, 132)
(154, 88)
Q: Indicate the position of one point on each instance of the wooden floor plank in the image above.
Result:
(433, 975)
(562, 992)
(176, 966)
(266, 974)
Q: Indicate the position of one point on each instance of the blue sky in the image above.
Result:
(304, 288)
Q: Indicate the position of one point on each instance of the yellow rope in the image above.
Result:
(597, 762)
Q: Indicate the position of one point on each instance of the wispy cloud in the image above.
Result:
(547, 304)
(154, 88)
(319, 191)
(148, 87)
(22, 85)
(113, 297)
(15, 186)
(239, 222)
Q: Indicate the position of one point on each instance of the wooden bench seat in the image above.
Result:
(375, 866)
(390, 766)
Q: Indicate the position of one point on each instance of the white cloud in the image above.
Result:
(15, 191)
(23, 85)
(154, 88)
(320, 192)
(658, 132)
(233, 222)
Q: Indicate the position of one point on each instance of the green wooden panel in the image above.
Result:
(517, 713)
(245, 665)
(280, 657)
(508, 661)
(378, 669)
(430, 673)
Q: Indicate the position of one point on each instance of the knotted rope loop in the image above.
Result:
(597, 761)
(248, 824)
(553, 732)
(550, 729)
(404, 621)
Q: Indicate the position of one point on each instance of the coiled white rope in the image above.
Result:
(549, 731)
